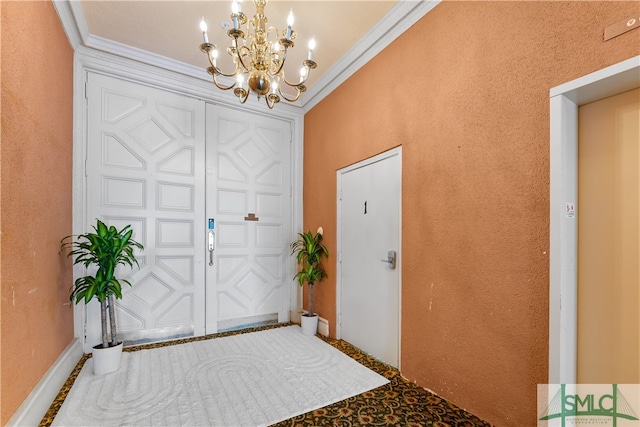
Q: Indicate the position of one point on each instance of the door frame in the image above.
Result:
(89, 60)
(563, 226)
(382, 156)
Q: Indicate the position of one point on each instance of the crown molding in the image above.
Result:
(73, 22)
(179, 78)
(401, 17)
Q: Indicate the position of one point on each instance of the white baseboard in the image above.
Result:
(36, 405)
(323, 326)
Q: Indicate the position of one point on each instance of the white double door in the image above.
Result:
(173, 167)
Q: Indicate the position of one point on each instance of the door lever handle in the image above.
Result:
(211, 245)
(391, 259)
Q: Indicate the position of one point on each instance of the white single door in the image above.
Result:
(144, 167)
(249, 202)
(368, 236)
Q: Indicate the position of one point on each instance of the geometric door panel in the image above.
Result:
(144, 167)
(249, 197)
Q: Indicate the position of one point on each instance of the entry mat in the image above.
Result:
(251, 379)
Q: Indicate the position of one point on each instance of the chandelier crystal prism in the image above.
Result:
(259, 55)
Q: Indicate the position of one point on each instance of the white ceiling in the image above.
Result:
(172, 28)
(347, 32)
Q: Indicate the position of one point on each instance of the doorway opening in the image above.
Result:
(564, 102)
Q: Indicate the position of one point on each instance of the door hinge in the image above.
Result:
(340, 257)
(290, 191)
(86, 96)
(340, 195)
(85, 168)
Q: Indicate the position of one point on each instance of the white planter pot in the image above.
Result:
(106, 360)
(309, 324)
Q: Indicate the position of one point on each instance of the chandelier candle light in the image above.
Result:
(259, 57)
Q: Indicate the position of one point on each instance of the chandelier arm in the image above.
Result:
(271, 100)
(218, 72)
(297, 84)
(239, 56)
(241, 93)
(304, 80)
(271, 29)
(222, 87)
(214, 70)
(274, 30)
(283, 95)
(282, 61)
(308, 65)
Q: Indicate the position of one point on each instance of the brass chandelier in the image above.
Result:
(259, 56)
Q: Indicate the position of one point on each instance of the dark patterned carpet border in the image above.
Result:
(398, 403)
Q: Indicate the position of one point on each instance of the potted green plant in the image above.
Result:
(309, 252)
(102, 251)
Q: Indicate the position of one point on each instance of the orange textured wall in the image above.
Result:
(465, 91)
(36, 156)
